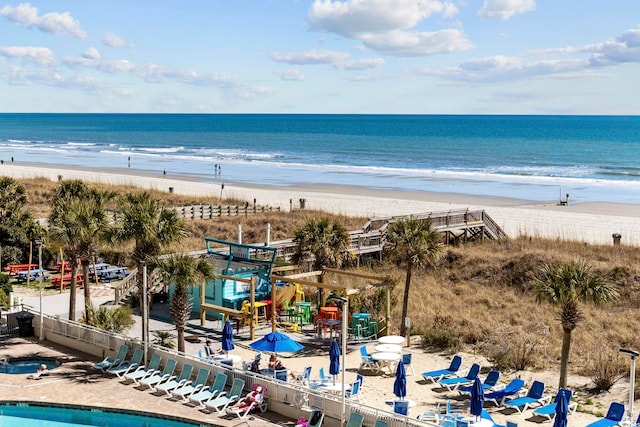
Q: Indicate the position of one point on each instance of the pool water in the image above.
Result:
(26, 365)
(37, 415)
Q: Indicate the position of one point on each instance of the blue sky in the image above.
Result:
(323, 56)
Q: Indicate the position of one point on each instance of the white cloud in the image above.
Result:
(360, 64)
(91, 53)
(53, 22)
(114, 40)
(354, 17)
(292, 74)
(382, 25)
(403, 43)
(505, 9)
(339, 60)
(37, 55)
(623, 49)
(311, 57)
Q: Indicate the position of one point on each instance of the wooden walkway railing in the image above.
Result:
(455, 225)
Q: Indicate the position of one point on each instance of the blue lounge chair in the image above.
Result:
(489, 382)
(166, 375)
(453, 368)
(217, 389)
(381, 423)
(453, 383)
(487, 416)
(549, 410)
(220, 403)
(534, 396)
(190, 388)
(172, 384)
(355, 420)
(128, 365)
(110, 362)
(613, 417)
(498, 396)
(142, 372)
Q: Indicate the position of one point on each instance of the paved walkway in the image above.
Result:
(77, 382)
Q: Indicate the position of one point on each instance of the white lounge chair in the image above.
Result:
(128, 365)
(172, 384)
(217, 389)
(110, 362)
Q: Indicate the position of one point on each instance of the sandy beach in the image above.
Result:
(587, 222)
(591, 223)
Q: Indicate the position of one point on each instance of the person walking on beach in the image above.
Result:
(129, 161)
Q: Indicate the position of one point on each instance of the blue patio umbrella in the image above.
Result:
(477, 398)
(276, 342)
(562, 410)
(227, 337)
(400, 384)
(334, 359)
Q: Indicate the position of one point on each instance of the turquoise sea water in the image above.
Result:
(594, 158)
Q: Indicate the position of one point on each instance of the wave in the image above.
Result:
(157, 149)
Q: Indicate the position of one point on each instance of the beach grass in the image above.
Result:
(479, 292)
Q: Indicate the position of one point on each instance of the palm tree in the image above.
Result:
(564, 286)
(143, 220)
(415, 244)
(323, 238)
(184, 271)
(17, 225)
(79, 223)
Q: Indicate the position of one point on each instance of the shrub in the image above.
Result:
(441, 339)
(116, 320)
(164, 339)
(606, 369)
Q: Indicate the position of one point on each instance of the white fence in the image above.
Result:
(287, 398)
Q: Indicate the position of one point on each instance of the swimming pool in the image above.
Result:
(26, 365)
(35, 414)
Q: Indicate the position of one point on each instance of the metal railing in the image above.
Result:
(281, 395)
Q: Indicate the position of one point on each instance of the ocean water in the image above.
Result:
(540, 158)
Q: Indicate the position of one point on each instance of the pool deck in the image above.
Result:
(77, 382)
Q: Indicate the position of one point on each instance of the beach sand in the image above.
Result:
(590, 223)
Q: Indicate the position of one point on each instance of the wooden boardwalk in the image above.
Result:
(456, 226)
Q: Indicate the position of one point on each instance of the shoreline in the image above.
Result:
(590, 222)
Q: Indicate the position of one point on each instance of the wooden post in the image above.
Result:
(273, 305)
(95, 272)
(203, 313)
(62, 270)
(29, 263)
(252, 308)
(388, 311)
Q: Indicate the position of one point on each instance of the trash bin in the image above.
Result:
(616, 238)
(25, 324)
(170, 189)
(303, 202)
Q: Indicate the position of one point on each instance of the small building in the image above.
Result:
(232, 259)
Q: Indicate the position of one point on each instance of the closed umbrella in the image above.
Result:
(562, 410)
(334, 359)
(477, 398)
(276, 342)
(227, 337)
(400, 384)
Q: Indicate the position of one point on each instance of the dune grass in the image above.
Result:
(478, 293)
